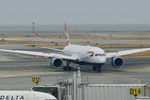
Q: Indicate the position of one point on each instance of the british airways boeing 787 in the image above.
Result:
(81, 55)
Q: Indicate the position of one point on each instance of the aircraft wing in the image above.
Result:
(58, 50)
(126, 52)
(42, 54)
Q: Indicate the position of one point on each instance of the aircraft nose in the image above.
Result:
(100, 60)
(103, 59)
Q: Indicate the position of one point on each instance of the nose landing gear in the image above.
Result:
(97, 68)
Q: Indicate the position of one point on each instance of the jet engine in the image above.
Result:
(56, 62)
(117, 62)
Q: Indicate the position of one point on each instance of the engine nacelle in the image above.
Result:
(117, 62)
(56, 62)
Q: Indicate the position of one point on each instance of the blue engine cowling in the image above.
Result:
(117, 62)
(56, 62)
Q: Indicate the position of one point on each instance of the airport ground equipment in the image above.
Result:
(107, 91)
(143, 98)
(147, 90)
(75, 89)
(93, 91)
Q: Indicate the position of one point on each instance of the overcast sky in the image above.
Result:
(18, 12)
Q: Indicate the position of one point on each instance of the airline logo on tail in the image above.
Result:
(67, 36)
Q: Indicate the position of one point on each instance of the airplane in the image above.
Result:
(25, 95)
(82, 55)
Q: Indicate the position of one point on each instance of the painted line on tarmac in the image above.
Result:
(143, 69)
(20, 73)
(121, 76)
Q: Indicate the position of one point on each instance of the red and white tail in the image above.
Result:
(67, 36)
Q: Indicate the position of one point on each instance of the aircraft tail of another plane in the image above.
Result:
(67, 36)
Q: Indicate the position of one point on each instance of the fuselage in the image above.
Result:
(25, 95)
(87, 54)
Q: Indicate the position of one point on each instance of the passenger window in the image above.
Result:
(99, 54)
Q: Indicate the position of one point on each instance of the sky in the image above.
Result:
(47, 12)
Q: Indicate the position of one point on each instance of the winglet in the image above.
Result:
(67, 36)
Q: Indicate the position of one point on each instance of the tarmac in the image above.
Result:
(17, 70)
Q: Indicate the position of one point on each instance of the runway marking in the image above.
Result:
(20, 73)
(138, 80)
(144, 69)
(5, 58)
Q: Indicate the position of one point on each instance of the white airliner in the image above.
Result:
(81, 55)
(25, 95)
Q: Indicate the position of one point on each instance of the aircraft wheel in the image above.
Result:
(98, 69)
(67, 68)
(94, 68)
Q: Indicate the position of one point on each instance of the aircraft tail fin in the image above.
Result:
(67, 36)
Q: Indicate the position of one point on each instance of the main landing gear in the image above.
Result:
(69, 68)
(97, 68)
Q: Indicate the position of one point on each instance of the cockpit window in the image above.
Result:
(99, 54)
